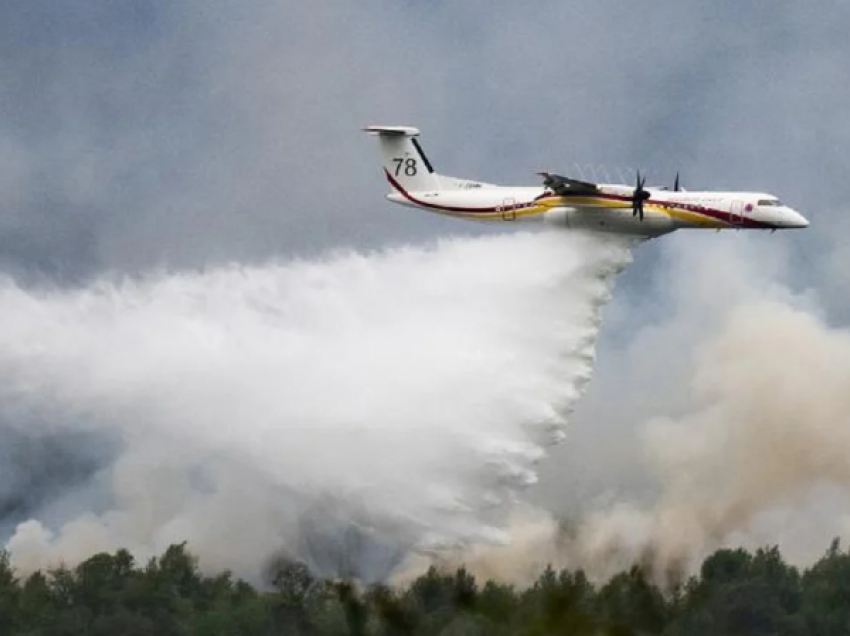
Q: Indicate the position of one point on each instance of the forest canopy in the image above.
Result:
(735, 592)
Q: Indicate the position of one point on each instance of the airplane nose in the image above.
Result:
(792, 219)
(798, 220)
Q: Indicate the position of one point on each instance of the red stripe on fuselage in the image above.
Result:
(445, 208)
(719, 215)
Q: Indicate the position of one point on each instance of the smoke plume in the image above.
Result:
(758, 456)
(768, 428)
(381, 404)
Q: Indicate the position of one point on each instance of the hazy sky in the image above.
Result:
(138, 136)
(199, 132)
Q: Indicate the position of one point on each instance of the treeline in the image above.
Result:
(736, 593)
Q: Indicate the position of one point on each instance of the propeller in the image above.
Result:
(676, 183)
(639, 197)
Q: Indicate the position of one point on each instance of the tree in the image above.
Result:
(356, 611)
(560, 603)
(397, 616)
(740, 593)
(498, 603)
(293, 582)
(629, 599)
(100, 581)
(826, 594)
(9, 595)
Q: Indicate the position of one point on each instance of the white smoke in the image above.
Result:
(407, 393)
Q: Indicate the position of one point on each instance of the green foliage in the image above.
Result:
(736, 593)
(560, 603)
(743, 593)
(630, 600)
(397, 615)
(10, 594)
(826, 594)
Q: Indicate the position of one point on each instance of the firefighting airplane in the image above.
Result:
(636, 210)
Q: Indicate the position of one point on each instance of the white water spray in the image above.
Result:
(407, 393)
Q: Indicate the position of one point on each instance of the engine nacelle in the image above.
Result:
(572, 218)
(558, 216)
(620, 221)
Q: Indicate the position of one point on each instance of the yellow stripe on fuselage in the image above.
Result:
(686, 216)
(507, 215)
(542, 206)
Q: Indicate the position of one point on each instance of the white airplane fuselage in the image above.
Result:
(608, 208)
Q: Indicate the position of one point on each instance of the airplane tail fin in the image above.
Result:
(404, 161)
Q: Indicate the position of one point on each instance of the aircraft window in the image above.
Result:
(768, 203)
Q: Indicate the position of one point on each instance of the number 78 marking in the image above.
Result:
(408, 164)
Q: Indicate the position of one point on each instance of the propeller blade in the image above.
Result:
(640, 195)
(635, 199)
(676, 183)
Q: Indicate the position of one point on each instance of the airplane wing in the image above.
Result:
(564, 185)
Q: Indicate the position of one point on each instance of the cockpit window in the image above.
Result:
(768, 203)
